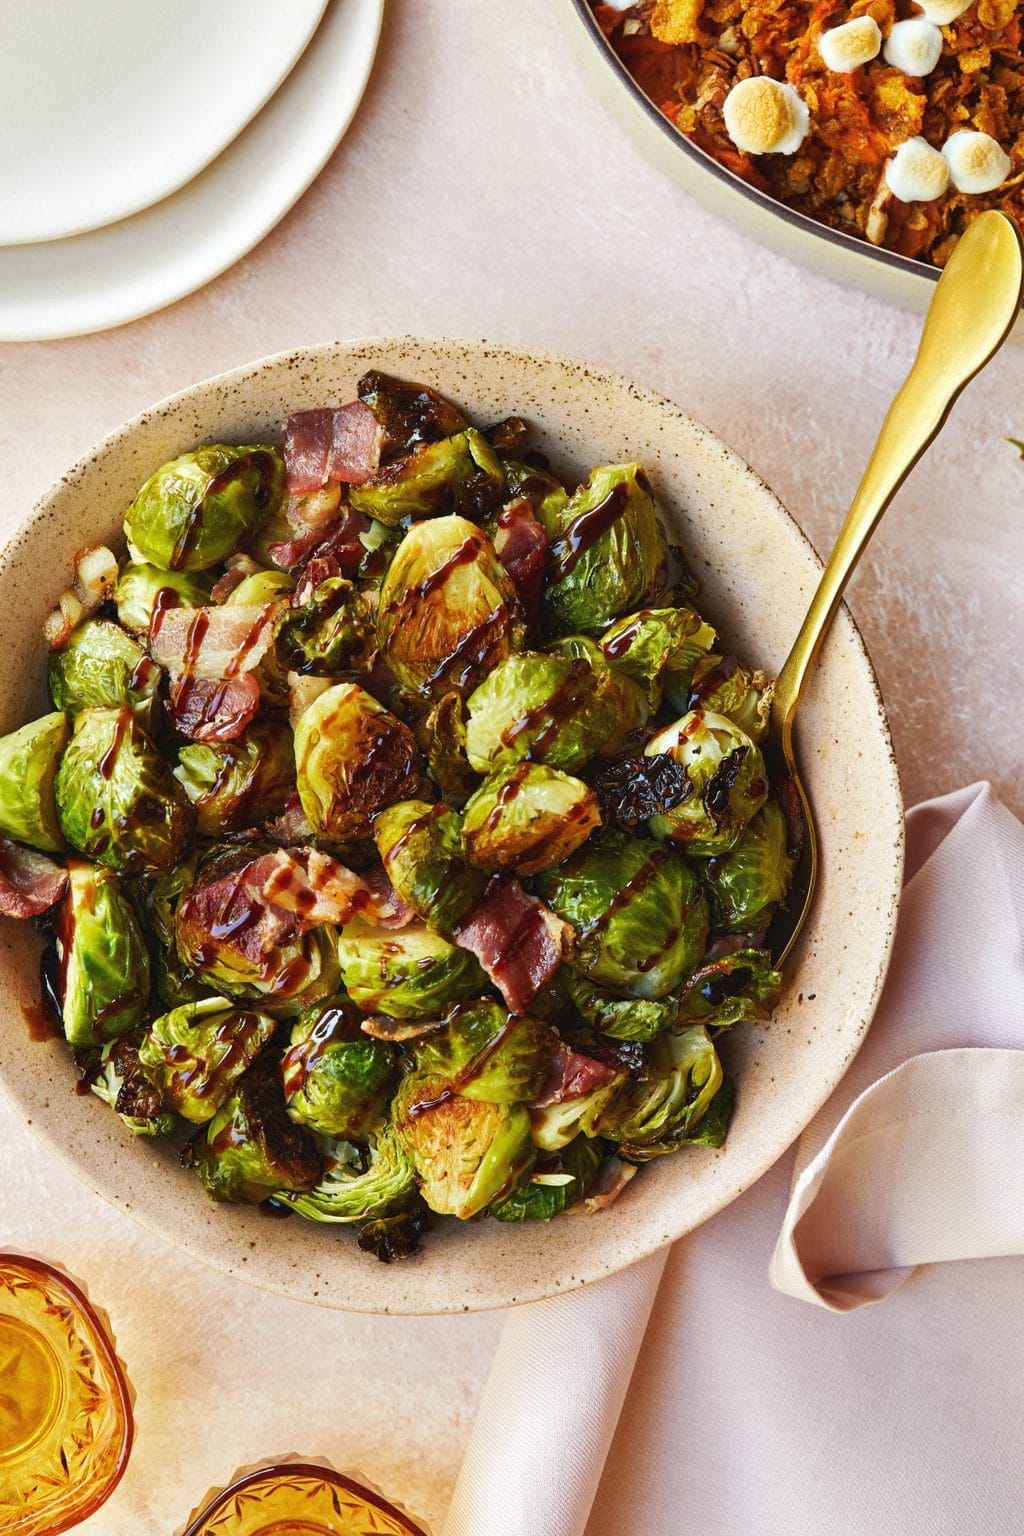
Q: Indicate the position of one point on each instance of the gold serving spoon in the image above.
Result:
(975, 303)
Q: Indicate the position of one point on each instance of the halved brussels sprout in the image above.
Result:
(659, 647)
(29, 758)
(547, 708)
(115, 1075)
(353, 758)
(100, 663)
(196, 1053)
(359, 1183)
(739, 988)
(117, 799)
(241, 783)
(332, 633)
(444, 730)
(729, 782)
(640, 916)
(196, 510)
(553, 1126)
(665, 1098)
(527, 817)
(448, 609)
(747, 883)
(557, 1182)
(421, 847)
(625, 703)
(336, 1079)
(261, 587)
(467, 1154)
(250, 1150)
(435, 478)
(103, 959)
(622, 1018)
(486, 1053)
(174, 984)
(610, 555)
(547, 495)
(405, 973)
(722, 686)
(140, 584)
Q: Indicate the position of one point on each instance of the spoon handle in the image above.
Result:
(973, 308)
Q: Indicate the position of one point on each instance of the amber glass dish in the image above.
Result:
(65, 1411)
(299, 1499)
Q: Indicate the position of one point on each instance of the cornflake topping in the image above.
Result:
(976, 162)
(917, 173)
(845, 48)
(765, 117)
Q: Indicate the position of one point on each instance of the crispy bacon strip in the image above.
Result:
(29, 881)
(337, 539)
(207, 709)
(215, 643)
(331, 447)
(517, 940)
(521, 544)
(316, 888)
(572, 1076)
(233, 908)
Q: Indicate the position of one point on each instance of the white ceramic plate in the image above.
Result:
(92, 281)
(110, 106)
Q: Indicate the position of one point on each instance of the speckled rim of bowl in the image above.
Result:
(834, 978)
(707, 165)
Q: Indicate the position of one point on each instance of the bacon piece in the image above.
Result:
(318, 889)
(521, 544)
(291, 826)
(379, 1027)
(317, 569)
(29, 881)
(517, 940)
(612, 1178)
(216, 643)
(572, 1076)
(208, 709)
(388, 907)
(233, 910)
(338, 540)
(331, 447)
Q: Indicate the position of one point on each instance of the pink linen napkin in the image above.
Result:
(684, 1394)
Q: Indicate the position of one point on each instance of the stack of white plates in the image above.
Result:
(146, 146)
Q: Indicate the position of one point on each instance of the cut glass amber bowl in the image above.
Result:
(65, 1409)
(300, 1499)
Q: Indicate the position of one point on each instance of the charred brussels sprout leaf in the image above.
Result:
(104, 962)
(527, 818)
(334, 1083)
(331, 634)
(405, 973)
(409, 414)
(622, 1018)
(115, 1075)
(747, 883)
(666, 1098)
(140, 584)
(711, 1129)
(739, 988)
(484, 1053)
(241, 783)
(395, 1237)
(547, 708)
(117, 799)
(610, 554)
(448, 610)
(100, 664)
(467, 1154)
(28, 768)
(420, 845)
(721, 686)
(250, 1150)
(557, 1183)
(196, 1053)
(431, 480)
(728, 777)
(352, 758)
(639, 913)
(448, 765)
(359, 1183)
(659, 647)
(198, 509)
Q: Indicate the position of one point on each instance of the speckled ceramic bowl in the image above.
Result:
(757, 573)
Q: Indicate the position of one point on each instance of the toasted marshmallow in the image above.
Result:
(976, 162)
(917, 173)
(942, 12)
(844, 49)
(914, 46)
(765, 117)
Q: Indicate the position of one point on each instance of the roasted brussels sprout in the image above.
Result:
(241, 783)
(546, 495)
(625, 703)
(335, 1079)
(622, 1018)
(250, 1150)
(102, 955)
(448, 610)
(359, 1183)
(406, 973)
(353, 758)
(408, 413)
(738, 988)
(468, 1154)
(547, 708)
(331, 634)
(728, 777)
(558, 1181)
(100, 664)
(195, 511)
(721, 686)
(114, 1074)
(611, 553)
(29, 758)
(527, 817)
(710, 1130)
(486, 1053)
(435, 478)
(445, 732)
(140, 584)
(420, 845)
(748, 882)
(553, 1125)
(261, 587)
(666, 1098)
(117, 799)
(659, 647)
(640, 916)
(196, 1053)
(173, 983)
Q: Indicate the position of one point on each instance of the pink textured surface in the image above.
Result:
(482, 191)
